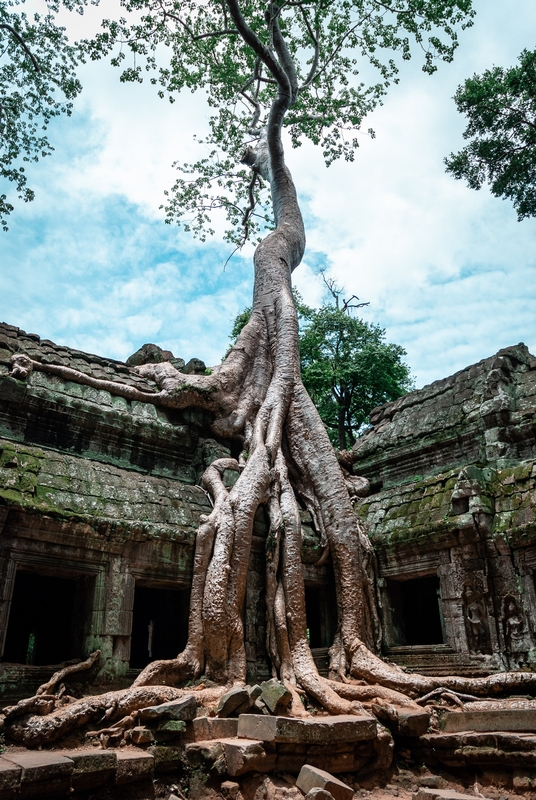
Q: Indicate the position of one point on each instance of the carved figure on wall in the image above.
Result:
(517, 637)
(476, 620)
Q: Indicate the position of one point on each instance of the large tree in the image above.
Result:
(291, 64)
(500, 106)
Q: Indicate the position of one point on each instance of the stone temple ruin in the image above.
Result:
(99, 505)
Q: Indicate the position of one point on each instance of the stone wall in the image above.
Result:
(100, 502)
(453, 511)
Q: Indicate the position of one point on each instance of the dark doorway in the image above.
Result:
(159, 624)
(43, 627)
(415, 611)
(321, 610)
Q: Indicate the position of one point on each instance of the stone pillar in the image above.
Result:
(117, 619)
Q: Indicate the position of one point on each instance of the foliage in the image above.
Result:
(37, 83)
(501, 108)
(241, 54)
(346, 365)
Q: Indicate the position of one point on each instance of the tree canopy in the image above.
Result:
(37, 83)
(244, 54)
(500, 105)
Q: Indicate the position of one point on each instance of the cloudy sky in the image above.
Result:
(449, 272)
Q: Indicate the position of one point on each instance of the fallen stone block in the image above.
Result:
(141, 735)
(440, 794)
(184, 708)
(231, 700)
(523, 779)
(319, 794)
(10, 774)
(246, 755)
(132, 766)
(504, 719)
(325, 730)
(254, 693)
(230, 790)
(314, 778)
(43, 773)
(410, 722)
(169, 729)
(275, 696)
(92, 767)
(206, 728)
(203, 754)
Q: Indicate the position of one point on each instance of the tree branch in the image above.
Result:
(22, 43)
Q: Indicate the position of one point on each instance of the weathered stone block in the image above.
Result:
(312, 778)
(10, 775)
(246, 755)
(203, 754)
(230, 701)
(166, 757)
(43, 774)
(206, 728)
(275, 696)
(92, 767)
(507, 719)
(183, 709)
(141, 735)
(440, 794)
(132, 766)
(327, 730)
(410, 722)
(319, 794)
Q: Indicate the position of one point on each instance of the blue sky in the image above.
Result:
(449, 272)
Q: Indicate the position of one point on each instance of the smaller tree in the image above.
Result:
(501, 107)
(347, 366)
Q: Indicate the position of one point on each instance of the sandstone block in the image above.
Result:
(232, 700)
(246, 755)
(166, 757)
(319, 794)
(506, 719)
(132, 766)
(523, 779)
(10, 774)
(183, 709)
(275, 696)
(92, 767)
(230, 790)
(440, 794)
(411, 722)
(203, 754)
(314, 778)
(206, 728)
(43, 773)
(141, 735)
(326, 730)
